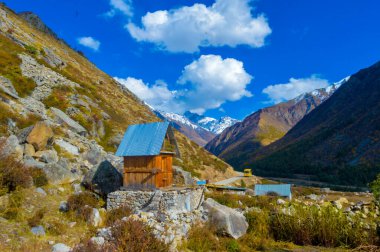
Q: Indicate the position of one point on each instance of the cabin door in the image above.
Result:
(166, 166)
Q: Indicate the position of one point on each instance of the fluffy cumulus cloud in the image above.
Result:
(186, 29)
(213, 81)
(282, 92)
(157, 95)
(89, 42)
(205, 84)
(122, 6)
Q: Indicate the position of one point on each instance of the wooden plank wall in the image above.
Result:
(138, 171)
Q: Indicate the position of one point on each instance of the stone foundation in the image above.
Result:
(173, 200)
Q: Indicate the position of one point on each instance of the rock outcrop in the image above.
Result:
(225, 219)
(40, 136)
(103, 178)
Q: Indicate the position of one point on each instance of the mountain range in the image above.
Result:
(238, 142)
(201, 129)
(338, 142)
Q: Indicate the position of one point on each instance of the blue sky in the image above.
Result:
(219, 57)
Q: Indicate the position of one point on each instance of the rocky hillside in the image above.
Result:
(84, 111)
(337, 142)
(238, 143)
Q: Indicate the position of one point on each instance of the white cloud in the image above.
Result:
(282, 92)
(211, 81)
(157, 95)
(89, 42)
(214, 81)
(123, 6)
(185, 29)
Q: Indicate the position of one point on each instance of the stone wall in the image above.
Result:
(174, 200)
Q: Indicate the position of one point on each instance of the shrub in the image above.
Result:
(327, 226)
(117, 214)
(35, 220)
(375, 188)
(135, 236)
(233, 246)
(56, 227)
(31, 49)
(81, 204)
(39, 177)
(13, 173)
(202, 239)
(13, 210)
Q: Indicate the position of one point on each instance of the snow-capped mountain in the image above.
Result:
(200, 129)
(323, 93)
(211, 124)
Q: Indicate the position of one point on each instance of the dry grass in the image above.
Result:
(10, 66)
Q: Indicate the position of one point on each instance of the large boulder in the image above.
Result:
(13, 148)
(94, 154)
(225, 219)
(103, 178)
(60, 171)
(40, 136)
(67, 147)
(64, 119)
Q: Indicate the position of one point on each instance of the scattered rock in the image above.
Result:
(52, 59)
(13, 148)
(63, 207)
(182, 175)
(95, 218)
(94, 154)
(312, 196)
(105, 233)
(281, 202)
(40, 136)
(38, 230)
(47, 156)
(77, 188)
(99, 241)
(60, 247)
(67, 147)
(59, 171)
(225, 219)
(29, 150)
(250, 192)
(103, 179)
(31, 162)
(337, 204)
(62, 118)
(23, 134)
(41, 191)
(7, 87)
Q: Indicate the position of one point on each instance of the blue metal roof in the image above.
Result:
(143, 139)
(280, 189)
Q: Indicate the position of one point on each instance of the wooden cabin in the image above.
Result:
(148, 151)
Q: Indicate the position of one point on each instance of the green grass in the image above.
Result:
(10, 66)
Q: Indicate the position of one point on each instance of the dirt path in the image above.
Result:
(230, 180)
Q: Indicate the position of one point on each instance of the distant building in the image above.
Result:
(148, 151)
(283, 190)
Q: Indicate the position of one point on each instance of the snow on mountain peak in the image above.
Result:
(323, 93)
